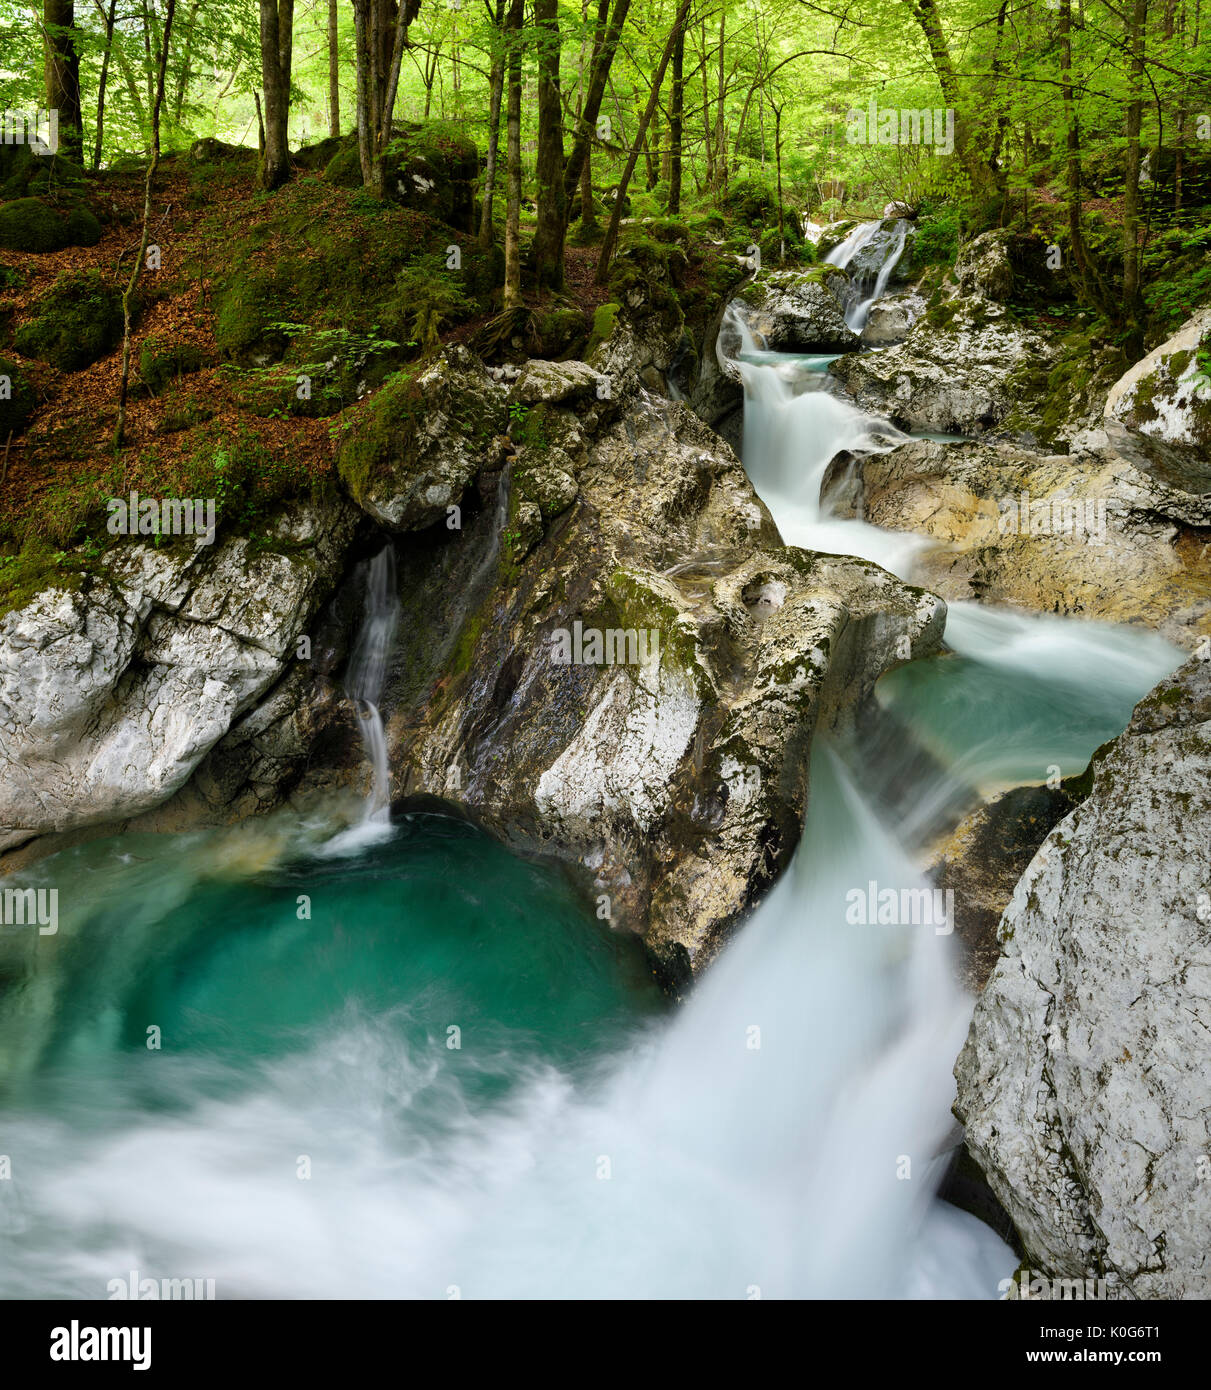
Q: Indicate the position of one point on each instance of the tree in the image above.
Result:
(62, 73)
(380, 37)
(611, 236)
(154, 163)
(552, 199)
(512, 296)
(277, 41)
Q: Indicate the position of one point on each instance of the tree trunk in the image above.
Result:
(676, 117)
(552, 200)
(132, 284)
(931, 26)
(380, 35)
(611, 236)
(101, 83)
(334, 73)
(277, 42)
(513, 299)
(61, 70)
(1135, 25)
(720, 133)
(605, 45)
(496, 84)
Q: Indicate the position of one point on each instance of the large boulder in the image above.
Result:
(112, 693)
(76, 322)
(1115, 530)
(1083, 1084)
(675, 782)
(984, 268)
(1168, 393)
(949, 374)
(797, 311)
(30, 224)
(413, 450)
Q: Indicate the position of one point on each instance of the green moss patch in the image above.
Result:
(77, 321)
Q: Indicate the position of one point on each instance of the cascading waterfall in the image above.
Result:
(873, 253)
(784, 1130)
(367, 674)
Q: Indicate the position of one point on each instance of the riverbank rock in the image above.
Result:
(949, 373)
(625, 671)
(113, 693)
(891, 319)
(1167, 394)
(1115, 530)
(1083, 1081)
(796, 311)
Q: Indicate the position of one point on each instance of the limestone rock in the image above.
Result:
(796, 311)
(1109, 531)
(112, 695)
(1083, 1082)
(1167, 394)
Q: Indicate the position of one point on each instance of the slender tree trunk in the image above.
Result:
(132, 87)
(101, 83)
(928, 18)
(277, 43)
(1087, 273)
(676, 117)
(513, 299)
(496, 84)
(186, 61)
(552, 199)
(380, 37)
(61, 71)
(334, 72)
(132, 284)
(720, 133)
(609, 31)
(611, 236)
(1133, 305)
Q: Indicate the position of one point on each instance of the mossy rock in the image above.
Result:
(16, 399)
(345, 168)
(29, 224)
(161, 362)
(561, 332)
(319, 155)
(78, 320)
(22, 172)
(605, 320)
(212, 151)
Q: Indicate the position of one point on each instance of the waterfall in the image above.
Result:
(874, 253)
(781, 1135)
(367, 674)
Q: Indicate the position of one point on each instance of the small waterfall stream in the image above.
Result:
(873, 252)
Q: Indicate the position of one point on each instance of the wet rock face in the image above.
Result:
(1167, 395)
(112, 695)
(1110, 531)
(949, 373)
(1083, 1081)
(627, 672)
(796, 311)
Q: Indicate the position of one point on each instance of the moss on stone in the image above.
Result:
(77, 321)
(605, 319)
(16, 399)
